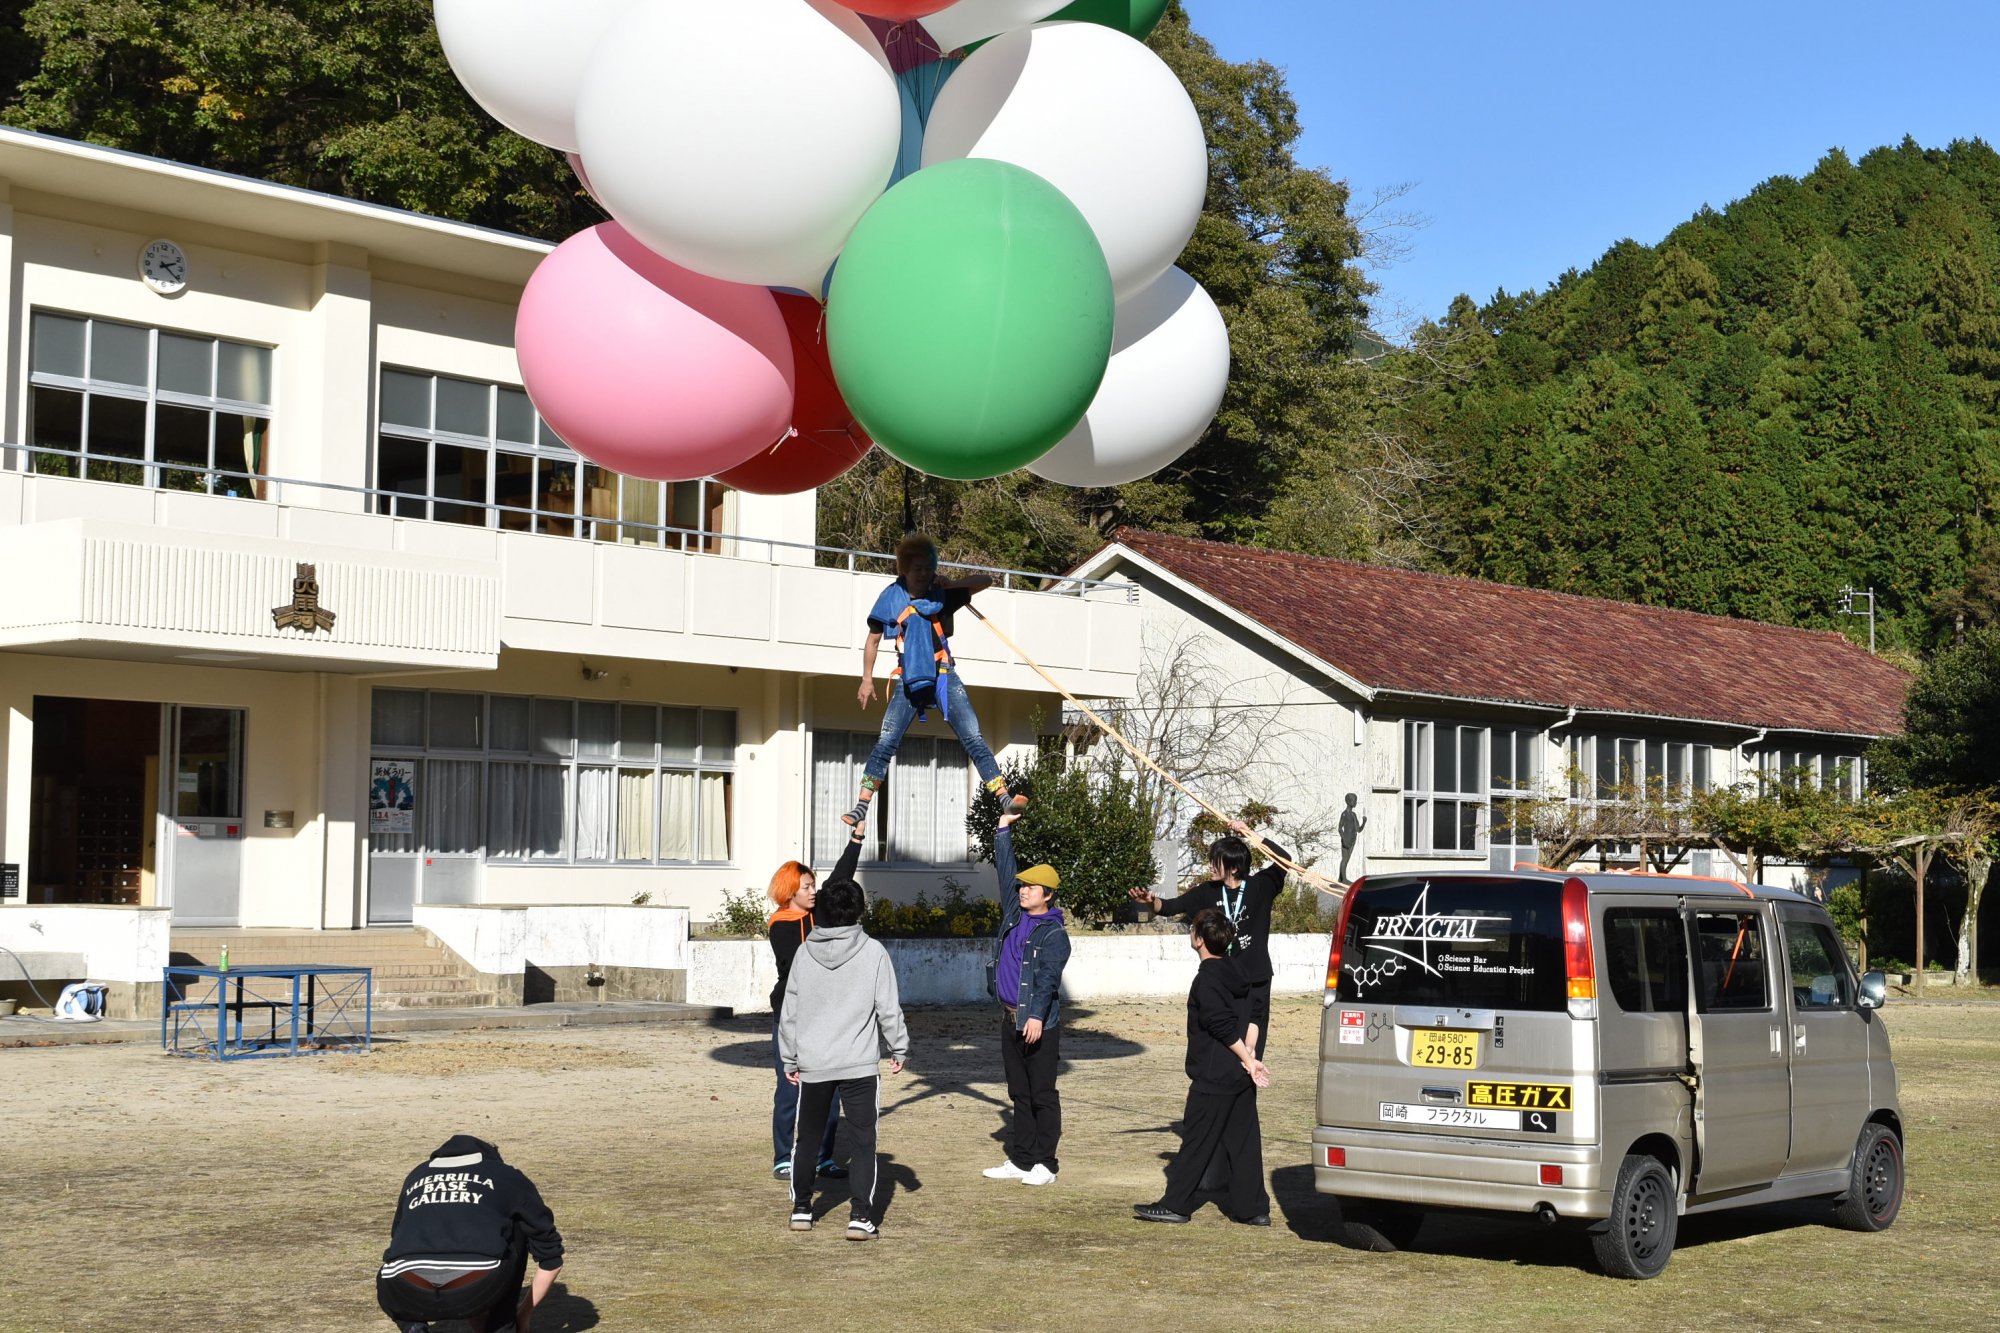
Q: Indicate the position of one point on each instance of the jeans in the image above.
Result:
(963, 721)
(785, 1110)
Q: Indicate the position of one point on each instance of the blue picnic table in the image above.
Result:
(323, 1008)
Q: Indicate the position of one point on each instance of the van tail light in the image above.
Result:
(1336, 1157)
(1340, 931)
(1576, 940)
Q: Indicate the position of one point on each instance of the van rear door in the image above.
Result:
(1744, 1092)
(1450, 1014)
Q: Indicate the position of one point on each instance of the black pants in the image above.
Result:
(1220, 1130)
(1260, 1011)
(1031, 1082)
(860, 1105)
(495, 1295)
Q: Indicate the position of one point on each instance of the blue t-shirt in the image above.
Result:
(889, 606)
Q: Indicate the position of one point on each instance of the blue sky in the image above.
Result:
(1539, 132)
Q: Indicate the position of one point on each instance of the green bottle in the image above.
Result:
(223, 966)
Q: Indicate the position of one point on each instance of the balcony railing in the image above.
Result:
(254, 488)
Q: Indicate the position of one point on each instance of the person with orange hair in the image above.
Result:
(793, 890)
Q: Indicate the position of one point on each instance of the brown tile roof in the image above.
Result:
(1397, 630)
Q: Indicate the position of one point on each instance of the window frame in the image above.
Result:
(570, 761)
(1786, 764)
(151, 469)
(1422, 797)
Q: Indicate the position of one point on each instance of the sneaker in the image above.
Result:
(1260, 1220)
(1038, 1174)
(802, 1219)
(861, 1228)
(1005, 1171)
(1153, 1212)
(782, 1169)
(831, 1169)
(416, 1326)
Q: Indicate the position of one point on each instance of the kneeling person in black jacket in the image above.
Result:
(465, 1225)
(1220, 1125)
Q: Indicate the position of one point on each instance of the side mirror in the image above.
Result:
(1874, 991)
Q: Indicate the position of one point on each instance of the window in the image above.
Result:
(1730, 961)
(918, 817)
(1824, 769)
(1443, 792)
(1608, 768)
(1493, 943)
(1645, 949)
(563, 781)
(1515, 784)
(147, 407)
(1818, 967)
(463, 451)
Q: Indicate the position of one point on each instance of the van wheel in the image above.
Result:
(1644, 1220)
(1381, 1228)
(1875, 1182)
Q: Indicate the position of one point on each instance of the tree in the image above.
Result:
(1085, 821)
(345, 96)
(1911, 830)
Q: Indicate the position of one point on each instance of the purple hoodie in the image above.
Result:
(1007, 972)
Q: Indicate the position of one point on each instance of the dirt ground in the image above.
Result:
(142, 1192)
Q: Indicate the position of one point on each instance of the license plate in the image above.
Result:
(1459, 1117)
(1435, 1048)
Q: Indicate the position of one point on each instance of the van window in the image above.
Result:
(1730, 946)
(1475, 944)
(1645, 950)
(1819, 973)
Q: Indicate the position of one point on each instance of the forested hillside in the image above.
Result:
(1799, 391)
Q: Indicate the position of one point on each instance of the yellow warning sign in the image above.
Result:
(1523, 1096)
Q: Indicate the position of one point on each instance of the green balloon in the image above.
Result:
(970, 319)
(1135, 18)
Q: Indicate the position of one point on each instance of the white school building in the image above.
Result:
(281, 533)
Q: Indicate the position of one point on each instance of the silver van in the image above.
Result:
(1619, 1049)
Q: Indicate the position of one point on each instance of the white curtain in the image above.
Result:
(835, 780)
(715, 816)
(913, 793)
(509, 794)
(635, 814)
(450, 808)
(954, 801)
(676, 816)
(593, 814)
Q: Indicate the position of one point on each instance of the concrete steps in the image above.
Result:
(410, 972)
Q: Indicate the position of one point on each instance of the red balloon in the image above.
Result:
(825, 440)
(895, 9)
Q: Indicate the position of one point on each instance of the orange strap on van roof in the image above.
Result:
(1738, 884)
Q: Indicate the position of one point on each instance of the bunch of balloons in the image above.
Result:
(988, 196)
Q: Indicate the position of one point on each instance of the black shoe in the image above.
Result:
(1260, 1220)
(831, 1169)
(1154, 1212)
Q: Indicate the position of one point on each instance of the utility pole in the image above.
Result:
(1845, 606)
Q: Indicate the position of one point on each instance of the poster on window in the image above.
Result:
(392, 796)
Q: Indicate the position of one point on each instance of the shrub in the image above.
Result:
(1090, 825)
(742, 914)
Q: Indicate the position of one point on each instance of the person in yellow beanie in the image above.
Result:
(1025, 976)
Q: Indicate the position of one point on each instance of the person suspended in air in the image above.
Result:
(916, 610)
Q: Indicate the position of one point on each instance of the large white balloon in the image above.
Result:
(523, 60)
(1169, 368)
(969, 20)
(747, 160)
(1097, 115)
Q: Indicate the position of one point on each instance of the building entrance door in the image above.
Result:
(202, 815)
(93, 801)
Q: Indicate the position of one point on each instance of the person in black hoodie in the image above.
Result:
(1246, 901)
(1219, 1128)
(465, 1225)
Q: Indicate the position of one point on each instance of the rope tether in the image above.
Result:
(1313, 877)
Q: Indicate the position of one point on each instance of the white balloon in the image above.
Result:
(969, 20)
(1169, 368)
(1097, 115)
(523, 60)
(741, 140)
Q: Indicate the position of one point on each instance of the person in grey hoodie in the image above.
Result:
(841, 1008)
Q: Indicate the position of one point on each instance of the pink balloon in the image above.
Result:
(647, 368)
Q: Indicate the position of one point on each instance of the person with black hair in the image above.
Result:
(1220, 1137)
(841, 1007)
(1245, 900)
(465, 1225)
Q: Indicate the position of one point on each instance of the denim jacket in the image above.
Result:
(1044, 955)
